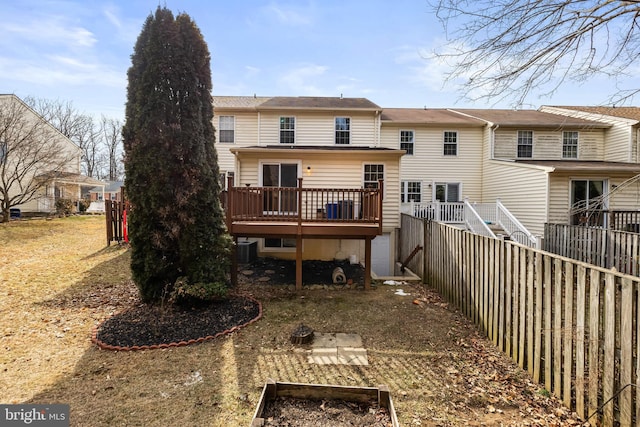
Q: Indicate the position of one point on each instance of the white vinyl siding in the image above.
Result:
(621, 144)
(465, 168)
(521, 188)
(245, 135)
(331, 171)
(547, 144)
(318, 129)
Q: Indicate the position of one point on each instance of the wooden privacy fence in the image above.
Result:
(116, 221)
(603, 247)
(573, 326)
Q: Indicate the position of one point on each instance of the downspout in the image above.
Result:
(259, 130)
(376, 130)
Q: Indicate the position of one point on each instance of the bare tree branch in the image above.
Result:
(503, 49)
(31, 150)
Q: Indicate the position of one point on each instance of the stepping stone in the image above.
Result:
(337, 349)
(348, 340)
(352, 356)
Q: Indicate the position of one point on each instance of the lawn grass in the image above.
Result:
(59, 280)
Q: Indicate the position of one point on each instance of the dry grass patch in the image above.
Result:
(62, 281)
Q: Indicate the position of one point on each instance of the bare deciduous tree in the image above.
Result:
(503, 49)
(100, 142)
(30, 152)
(112, 138)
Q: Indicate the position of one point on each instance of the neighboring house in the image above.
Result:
(538, 163)
(541, 164)
(112, 190)
(328, 144)
(443, 160)
(39, 164)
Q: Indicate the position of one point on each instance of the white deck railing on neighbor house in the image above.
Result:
(477, 217)
(475, 222)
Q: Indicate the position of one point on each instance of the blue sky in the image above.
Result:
(79, 51)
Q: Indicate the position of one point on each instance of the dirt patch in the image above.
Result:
(284, 411)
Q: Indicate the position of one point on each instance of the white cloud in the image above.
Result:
(289, 16)
(304, 80)
(52, 30)
(126, 29)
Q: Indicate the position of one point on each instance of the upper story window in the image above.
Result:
(569, 145)
(343, 130)
(450, 143)
(525, 143)
(410, 191)
(373, 173)
(406, 141)
(287, 130)
(226, 129)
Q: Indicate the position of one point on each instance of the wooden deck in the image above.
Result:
(305, 213)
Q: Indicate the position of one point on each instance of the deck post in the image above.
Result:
(234, 261)
(367, 263)
(299, 262)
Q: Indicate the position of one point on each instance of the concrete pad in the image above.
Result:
(324, 356)
(353, 356)
(321, 340)
(348, 340)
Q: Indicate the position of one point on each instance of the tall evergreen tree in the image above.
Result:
(179, 244)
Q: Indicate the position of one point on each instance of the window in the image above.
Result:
(450, 143)
(525, 143)
(585, 194)
(373, 173)
(287, 130)
(410, 191)
(406, 141)
(343, 125)
(448, 192)
(569, 145)
(279, 243)
(227, 129)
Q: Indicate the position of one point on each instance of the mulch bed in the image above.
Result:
(146, 327)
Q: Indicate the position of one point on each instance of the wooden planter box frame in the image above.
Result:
(273, 389)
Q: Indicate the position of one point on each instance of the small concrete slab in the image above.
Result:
(337, 349)
(324, 356)
(348, 340)
(352, 356)
(321, 340)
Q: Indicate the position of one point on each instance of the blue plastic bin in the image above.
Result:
(332, 210)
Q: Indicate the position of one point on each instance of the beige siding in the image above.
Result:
(522, 189)
(332, 170)
(619, 145)
(318, 128)
(428, 164)
(245, 135)
(626, 198)
(547, 144)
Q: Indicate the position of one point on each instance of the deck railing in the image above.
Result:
(278, 204)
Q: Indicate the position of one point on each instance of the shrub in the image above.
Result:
(64, 207)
